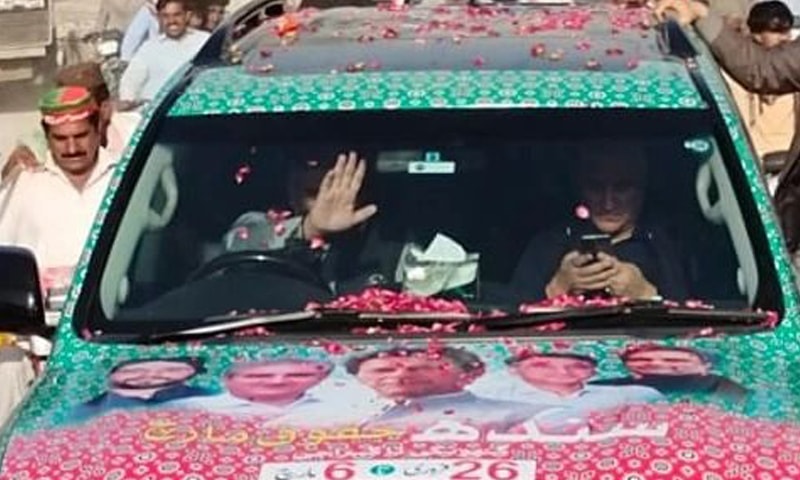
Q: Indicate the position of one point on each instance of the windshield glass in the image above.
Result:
(479, 210)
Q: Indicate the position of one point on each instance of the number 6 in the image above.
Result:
(340, 471)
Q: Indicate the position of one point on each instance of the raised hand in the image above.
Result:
(334, 209)
(685, 11)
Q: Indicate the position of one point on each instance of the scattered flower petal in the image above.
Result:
(551, 327)
(538, 50)
(355, 67)
(263, 68)
(333, 348)
(242, 173)
(243, 233)
(562, 345)
(593, 64)
(389, 33)
(278, 219)
(317, 243)
(698, 305)
(287, 25)
(388, 301)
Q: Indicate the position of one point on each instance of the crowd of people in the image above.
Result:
(54, 180)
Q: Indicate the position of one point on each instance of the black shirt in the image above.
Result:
(648, 248)
(684, 384)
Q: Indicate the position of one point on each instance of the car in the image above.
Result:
(255, 302)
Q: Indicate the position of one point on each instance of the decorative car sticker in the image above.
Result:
(232, 90)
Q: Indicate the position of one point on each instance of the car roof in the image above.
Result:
(450, 37)
(454, 38)
(602, 55)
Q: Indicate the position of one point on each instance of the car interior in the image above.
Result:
(498, 196)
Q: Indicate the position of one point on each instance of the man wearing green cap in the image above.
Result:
(50, 209)
(117, 126)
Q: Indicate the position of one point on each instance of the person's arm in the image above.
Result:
(758, 69)
(9, 214)
(21, 157)
(254, 231)
(136, 34)
(537, 265)
(134, 79)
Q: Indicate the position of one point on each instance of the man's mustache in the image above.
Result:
(74, 155)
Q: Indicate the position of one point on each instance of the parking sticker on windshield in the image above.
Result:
(402, 469)
(697, 145)
(432, 164)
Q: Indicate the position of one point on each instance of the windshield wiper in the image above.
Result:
(637, 315)
(306, 321)
(642, 315)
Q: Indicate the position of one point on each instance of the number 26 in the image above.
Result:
(471, 470)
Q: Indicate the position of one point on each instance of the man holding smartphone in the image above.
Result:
(606, 250)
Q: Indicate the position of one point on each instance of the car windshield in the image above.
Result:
(453, 210)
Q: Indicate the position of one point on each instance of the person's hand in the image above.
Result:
(128, 105)
(629, 281)
(21, 157)
(579, 272)
(685, 11)
(334, 208)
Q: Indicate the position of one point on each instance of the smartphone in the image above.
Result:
(592, 244)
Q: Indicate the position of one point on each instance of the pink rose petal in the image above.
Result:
(242, 173)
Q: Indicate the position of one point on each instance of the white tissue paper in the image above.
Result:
(442, 266)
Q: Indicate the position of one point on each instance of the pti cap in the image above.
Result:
(67, 104)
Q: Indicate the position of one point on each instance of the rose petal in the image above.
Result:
(390, 33)
(242, 173)
(538, 50)
(593, 64)
(355, 67)
(317, 243)
(582, 212)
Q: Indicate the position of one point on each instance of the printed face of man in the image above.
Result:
(151, 375)
(553, 372)
(277, 382)
(666, 362)
(414, 376)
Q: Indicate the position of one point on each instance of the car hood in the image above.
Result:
(432, 409)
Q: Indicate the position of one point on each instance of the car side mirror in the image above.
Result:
(21, 302)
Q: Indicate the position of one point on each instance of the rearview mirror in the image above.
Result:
(21, 303)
